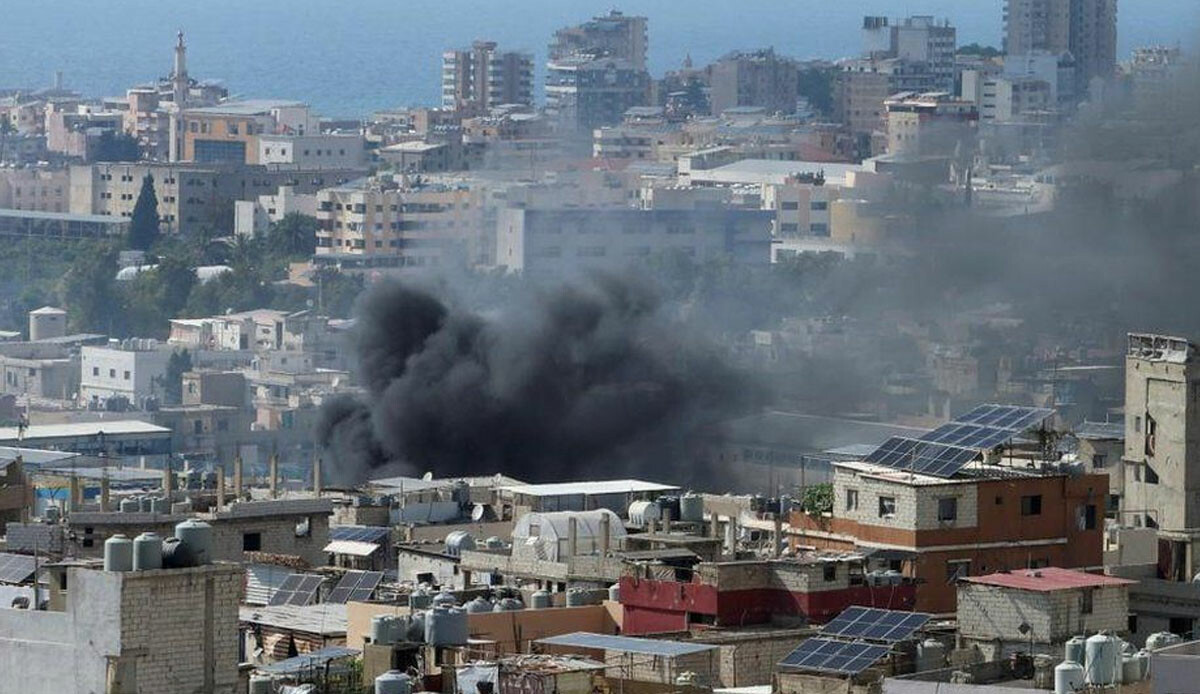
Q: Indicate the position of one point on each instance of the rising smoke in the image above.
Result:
(577, 380)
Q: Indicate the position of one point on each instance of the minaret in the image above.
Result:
(179, 76)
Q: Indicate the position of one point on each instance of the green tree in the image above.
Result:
(293, 237)
(143, 225)
(90, 292)
(981, 51)
(179, 363)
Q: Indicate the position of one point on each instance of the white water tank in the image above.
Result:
(419, 599)
(444, 599)
(1074, 650)
(1103, 666)
(691, 508)
(508, 605)
(47, 322)
(197, 537)
(1161, 639)
(540, 600)
(931, 655)
(261, 684)
(52, 514)
(146, 504)
(393, 682)
(160, 504)
(446, 626)
(614, 592)
(578, 597)
(129, 505)
(118, 553)
(1131, 669)
(147, 552)
(478, 605)
(459, 541)
(415, 630)
(1068, 677)
(642, 513)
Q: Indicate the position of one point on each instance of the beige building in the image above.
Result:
(1085, 28)
(39, 190)
(228, 133)
(481, 77)
(932, 123)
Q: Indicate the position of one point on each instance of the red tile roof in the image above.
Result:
(1048, 579)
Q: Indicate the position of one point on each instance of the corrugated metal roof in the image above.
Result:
(262, 580)
(588, 488)
(108, 427)
(1114, 431)
(326, 619)
(309, 661)
(626, 644)
(1048, 579)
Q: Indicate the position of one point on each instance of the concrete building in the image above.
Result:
(476, 79)
(1003, 99)
(114, 438)
(919, 40)
(31, 375)
(1101, 450)
(863, 84)
(47, 322)
(1085, 28)
(224, 388)
(981, 521)
(929, 124)
(1039, 609)
(584, 92)
(35, 189)
(313, 151)
(133, 371)
(759, 78)
(613, 35)
(254, 217)
(107, 631)
(74, 130)
(228, 133)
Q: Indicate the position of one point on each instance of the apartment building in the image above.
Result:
(932, 123)
(228, 133)
(862, 85)
(35, 189)
(479, 78)
(584, 93)
(940, 529)
(613, 35)
(759, 78)
(252, 217)
(918, 40)
(133, 370)
(1087, 29)
(1004, 99)
(414, 224)
(313, 151)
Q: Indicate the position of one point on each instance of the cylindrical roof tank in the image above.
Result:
(614, 592)
(1103, 666)
(129, 505)
(160, 504)
(494, 542)
(176, 554)
(261, 684)
(118, 553)
(459, 541)
(691, 508)
(419, 599)
(52, 514)
(416, 627)
(446, 626)
(508, 605)
(197, 536)
(577, 597)
(383, 630)
(931, 655)
(641, 513)
(1161, 639)
(540, 600)
(1074, 650)
(147, 552)
(146, 504)
(1131, 669)
(393, 682)
(1068, 677)
(479, 604)
(444, 599)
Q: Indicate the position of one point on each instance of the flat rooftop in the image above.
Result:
(108, 427)
(1048, 579)
(64, 217)
(588, 488)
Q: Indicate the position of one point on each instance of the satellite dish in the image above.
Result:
(428, 477)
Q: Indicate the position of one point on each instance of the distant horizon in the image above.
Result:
(348, 62)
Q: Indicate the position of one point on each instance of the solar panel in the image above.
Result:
(968, 436)
(827, 655)
(355, 585)
(358, 533)
(875, 624)
(16, 568)
(924, 457)
(1008, 417)
(297, 589)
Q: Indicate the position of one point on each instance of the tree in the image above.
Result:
(981, 51)
(112, 146)
(178, 364)
(143, 225)
(294, 236)
(90, 292)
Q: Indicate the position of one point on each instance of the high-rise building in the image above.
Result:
(1087, 29)
(918, 40)
(585, 93)
(614, 35)
(479, 78)
(760, 78)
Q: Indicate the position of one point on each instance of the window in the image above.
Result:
(112, 373)
(830, 571)
(957, 568)
(1099, 461)
(304, 528)
(1086, 601)
(789, 205)
(1087, 517)
(1151, 476)
(851, 499)
(126, 375)
(1151, 431)
(95, 370)
(819, 206)
(1031, 505)
(251, 542)
(887, 506)
(947, 509)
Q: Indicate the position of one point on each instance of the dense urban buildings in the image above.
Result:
(480, 78)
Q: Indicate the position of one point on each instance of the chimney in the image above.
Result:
(73, 494)
(714, 522)
(237, 477)
(316, 472)
(104, 493)
(666, 520)
(220, 487)
(572, 537)
(777, 536)
(604, 534)
(274, 466)
(168, 481)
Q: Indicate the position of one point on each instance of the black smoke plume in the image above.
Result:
(582, 380)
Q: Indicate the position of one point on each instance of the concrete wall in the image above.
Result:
(987, 613)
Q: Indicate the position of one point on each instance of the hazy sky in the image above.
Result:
(355, 55)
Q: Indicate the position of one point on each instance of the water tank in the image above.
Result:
(892, 577)
(578, 597)
(1103, 666)
(444, 599)
(540, 600)
(1074, 651)
(129, 505)
(1068, 677)
(160, 504)
(494, 542)
(478, 605)
(261, 684)
(1043, 671)
(508, 605)
(446, 626)
(642, 513)
(461, 492)
(931, 655)
(118, 554)
(47, 322)
(419, 599)
(146, 504)
(1131, 669)
(458, 541)
(614, 592)
(1161, 639)
(176, 554)
(197, 536)
(687, 679)
(691, 508)
(52, 514)
(147, 552)
(393, 682)
(416, 627)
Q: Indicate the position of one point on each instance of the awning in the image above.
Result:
(352, 547)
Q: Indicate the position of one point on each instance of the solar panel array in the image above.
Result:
(841, 657)
(1007, 417)
(355, 585)
(924, 457)
(358, 533)
(968, 436)
(875, 624)
(297, 589)
(16, 568)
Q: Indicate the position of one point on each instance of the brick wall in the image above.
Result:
(990, 612)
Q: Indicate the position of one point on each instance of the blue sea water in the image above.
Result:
(348, 57)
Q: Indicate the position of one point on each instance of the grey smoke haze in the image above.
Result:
(562, 382)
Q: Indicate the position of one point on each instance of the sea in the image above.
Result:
(348, 58)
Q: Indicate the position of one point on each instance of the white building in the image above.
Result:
(252, 217)
(133, 370)
(313, 151)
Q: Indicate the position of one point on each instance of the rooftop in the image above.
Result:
(250, 107)
(63, 217)
(326, 619)
(1048, 579)
(588, 488)
(75, 429)
(626, 644)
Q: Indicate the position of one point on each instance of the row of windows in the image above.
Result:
(112, 373)
(947, 511)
